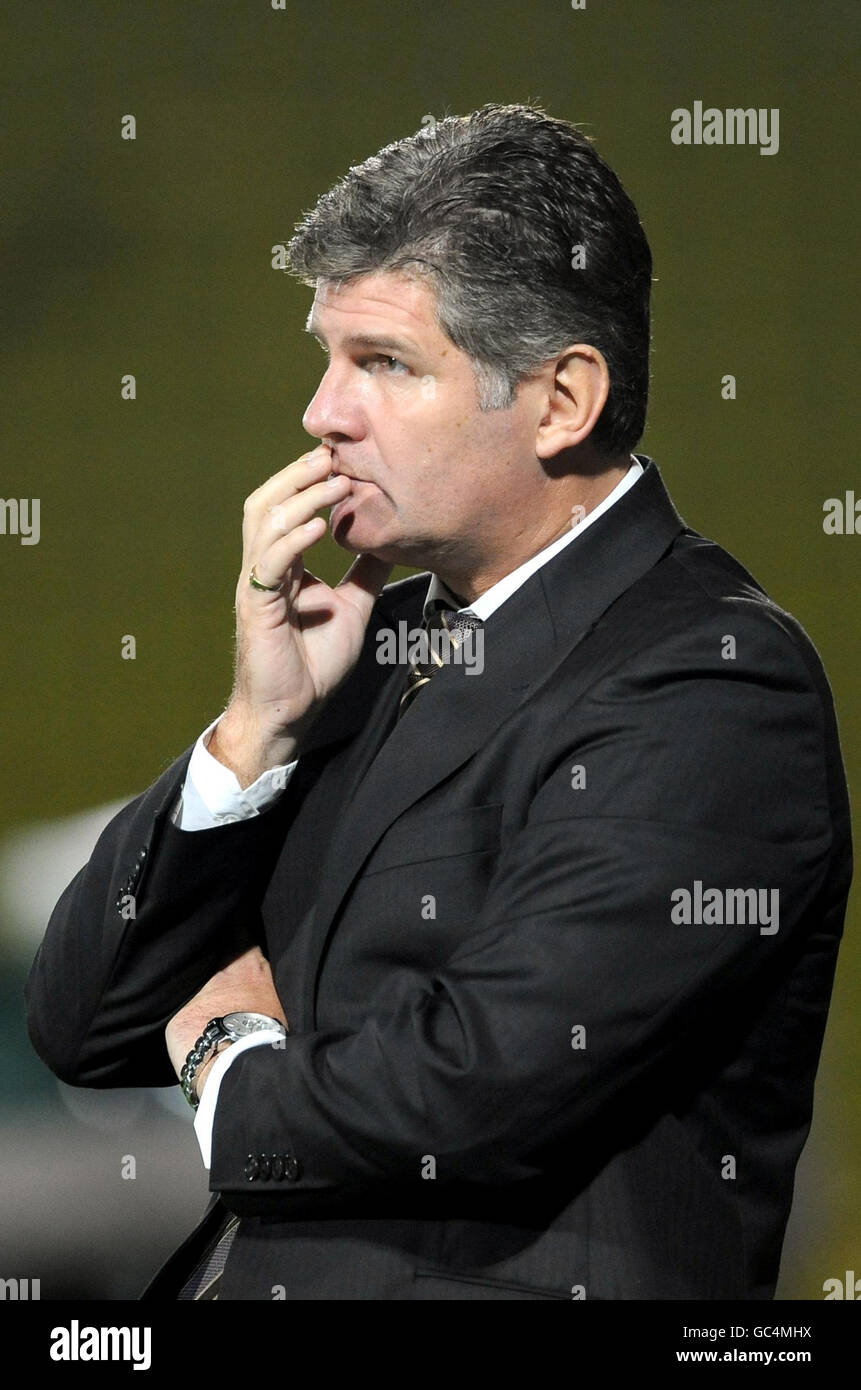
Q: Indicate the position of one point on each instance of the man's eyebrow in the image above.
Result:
(378, 341)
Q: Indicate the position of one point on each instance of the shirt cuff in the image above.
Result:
(212, 795)
(205, 1116)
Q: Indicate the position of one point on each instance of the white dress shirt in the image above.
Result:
(212, 796)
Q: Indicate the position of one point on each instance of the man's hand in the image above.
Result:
(294, 647)
(245, 984)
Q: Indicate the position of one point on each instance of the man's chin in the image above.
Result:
(357, 542)
(389, 553)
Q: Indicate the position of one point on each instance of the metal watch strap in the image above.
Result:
(209, 1039)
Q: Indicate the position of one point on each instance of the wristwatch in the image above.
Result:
(228, 1029)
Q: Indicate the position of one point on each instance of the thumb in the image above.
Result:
(363, 581)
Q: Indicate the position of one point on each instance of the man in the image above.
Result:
(494, 978)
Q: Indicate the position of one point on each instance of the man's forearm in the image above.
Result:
(154, 913)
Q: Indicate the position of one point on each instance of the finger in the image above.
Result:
(363, 581)
(274, 565)
(307, 468)
(285, 515)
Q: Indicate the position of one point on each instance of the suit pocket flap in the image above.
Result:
(416, 838)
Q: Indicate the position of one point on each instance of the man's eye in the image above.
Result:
(392, 364)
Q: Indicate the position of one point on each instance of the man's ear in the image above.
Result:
(577, 390)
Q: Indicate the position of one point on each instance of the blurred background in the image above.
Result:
(152, 257)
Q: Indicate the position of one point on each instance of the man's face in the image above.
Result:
(438, 479)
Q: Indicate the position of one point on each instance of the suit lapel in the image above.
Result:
(392, 765)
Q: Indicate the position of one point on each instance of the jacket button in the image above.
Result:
(264, 1165)
(277, 1166)
(291, 1168)
(251, 1168)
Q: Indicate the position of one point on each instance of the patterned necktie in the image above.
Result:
(204, 1283)
(446, 630)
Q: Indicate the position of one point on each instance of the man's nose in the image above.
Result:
(334, 409)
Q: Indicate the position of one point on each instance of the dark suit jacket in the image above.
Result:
(444, 902)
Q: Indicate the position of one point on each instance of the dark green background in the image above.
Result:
(153, 257)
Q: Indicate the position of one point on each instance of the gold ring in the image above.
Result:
(264, 588)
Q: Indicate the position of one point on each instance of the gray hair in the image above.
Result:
(495, 208)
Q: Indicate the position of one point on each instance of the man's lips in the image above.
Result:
(354, 478)
(354, 493)
(340, 471)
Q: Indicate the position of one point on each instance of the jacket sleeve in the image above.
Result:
(140, 929)
(580, 985)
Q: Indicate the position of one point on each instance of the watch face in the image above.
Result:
(240, 1024)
